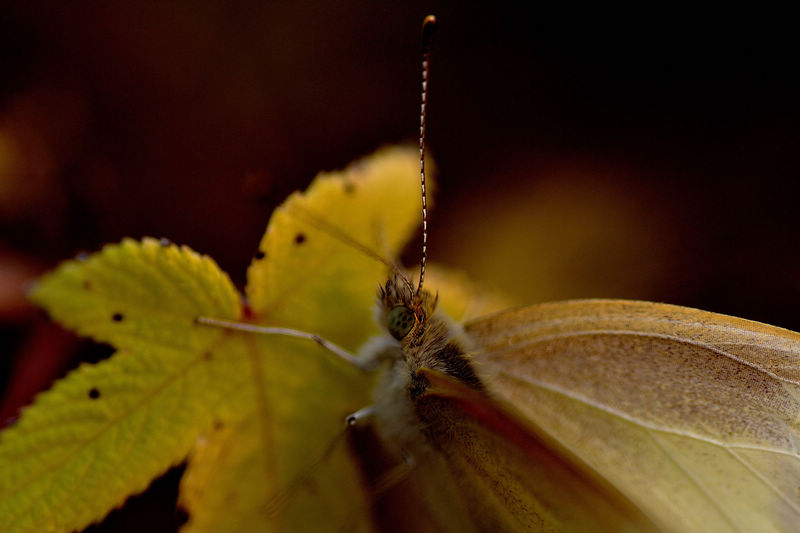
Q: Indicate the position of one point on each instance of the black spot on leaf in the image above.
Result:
(94, 393)
(260, 254)
(300, 238)
(117, 317)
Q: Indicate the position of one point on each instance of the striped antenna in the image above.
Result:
(428, 26)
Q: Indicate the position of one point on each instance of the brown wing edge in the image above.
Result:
(536, 482)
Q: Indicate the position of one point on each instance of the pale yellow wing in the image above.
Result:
(508, 475)
(694, 416)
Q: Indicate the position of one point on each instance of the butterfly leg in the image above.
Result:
(360, 416)
(395, 475)
(288, 332)
(377, 350)
(278, 502)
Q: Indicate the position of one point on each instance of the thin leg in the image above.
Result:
(360, 416)
(288, 332)
(397, 474)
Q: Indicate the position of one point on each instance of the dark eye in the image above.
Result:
(400, 321)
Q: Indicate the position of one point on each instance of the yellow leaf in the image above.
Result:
(307, 271)
(105, 431)
(307, 277)
(263, 416)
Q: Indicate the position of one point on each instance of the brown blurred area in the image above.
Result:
(647, 155)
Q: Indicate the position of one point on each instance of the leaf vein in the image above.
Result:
(147, 397)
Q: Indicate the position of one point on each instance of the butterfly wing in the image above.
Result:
(692, 415)
(508, 476)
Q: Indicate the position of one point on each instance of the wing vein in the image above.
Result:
(696, 482)
(619, 414)
(764, 480)
(707, 346)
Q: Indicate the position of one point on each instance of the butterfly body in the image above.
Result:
(426, 340)
(535, 412)
(481, 458)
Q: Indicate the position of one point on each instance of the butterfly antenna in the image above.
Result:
(428, 27)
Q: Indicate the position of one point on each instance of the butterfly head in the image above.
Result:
(404, 310)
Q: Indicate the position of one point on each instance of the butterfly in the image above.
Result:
(581, 415)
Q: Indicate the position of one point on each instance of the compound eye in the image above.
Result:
(400, 321)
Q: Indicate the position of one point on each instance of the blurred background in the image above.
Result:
(649, 155)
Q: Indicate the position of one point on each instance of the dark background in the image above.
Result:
(641, 154)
